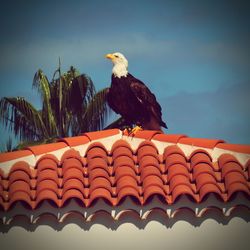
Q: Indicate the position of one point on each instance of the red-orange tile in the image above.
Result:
(71, 153)
(234, 177)
(152, 180)
(20, 196)
(128, 191)
(205, 178)
(48, 156)
(173, 149)
(177, 169)
(152, 190)
(175, 159)
(123, 161)
(73, 184)
(100, 182)
(182, 189)
(98, 172)
(46, 148)
(150, 170)
(95, 152)
(122, 151)
(101, 134)
(73, 173)
(101, 193)
(125, 182)
(168, 138)
(147, 134)
(19, 175)
(124, 171)
(148, 160)
(144, 150)
(202, 168)
(97, 163)
(73, 194)
(225, 158)
(75, 141)
(48, 174)
(238, 187)
(240, 148)
(20, 166)
(47, 195)
(199, 157)
(46, 163)
(179, 180)
(120, 143)
(198, 142)
(17, 186)
(115, 175)
(14, 155)
(231, 167)
(71, 163)
(46, 185)
(210, 188)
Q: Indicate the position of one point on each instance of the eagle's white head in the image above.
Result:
(120, 64)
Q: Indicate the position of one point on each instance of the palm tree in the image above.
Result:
(70, 105)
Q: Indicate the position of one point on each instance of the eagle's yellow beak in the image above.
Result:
(110, 56)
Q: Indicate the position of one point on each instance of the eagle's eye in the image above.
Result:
(116, 56)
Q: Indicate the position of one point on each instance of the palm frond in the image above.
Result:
(29, 143)
(96, 112)
(22, 118)
(41, 83)
(8, 147)
(81, 92)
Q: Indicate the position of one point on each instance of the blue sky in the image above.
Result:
(194, 55)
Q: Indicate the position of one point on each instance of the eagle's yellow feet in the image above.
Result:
(132, 131)
(135, 130)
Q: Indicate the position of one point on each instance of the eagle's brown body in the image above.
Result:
(130, 98)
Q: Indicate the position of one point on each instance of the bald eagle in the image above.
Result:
(131, 98)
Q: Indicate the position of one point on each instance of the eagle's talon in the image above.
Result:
(127, 131)
(135, 130)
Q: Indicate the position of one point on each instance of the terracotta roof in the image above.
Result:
(110, 166)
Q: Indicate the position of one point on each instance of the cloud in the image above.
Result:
(222, 114)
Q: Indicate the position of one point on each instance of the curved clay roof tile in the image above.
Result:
(71, 163)
(20, 165)
(121, 143)
(46, 163)
(151, 191)
(200, 157)
(231, 167)
(73, 194)
(20, 196)
(101, 193)
(182, 189)
(173, 149)
(47, 195)
(71, 153)
(128, 191)
(19, 175)
(208, 189)
(179, 180)
(225, 158)
(177, 169)
(175, 159)
(122, 151)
